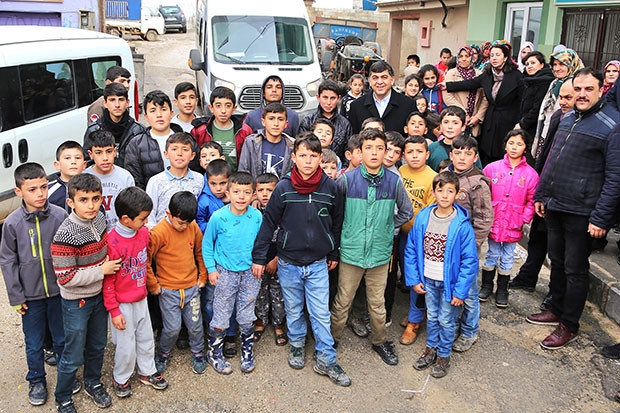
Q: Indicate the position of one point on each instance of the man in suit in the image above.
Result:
(383, 102)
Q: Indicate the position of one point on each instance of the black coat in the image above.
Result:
(394, 117)
(503, 112)
(535, 89)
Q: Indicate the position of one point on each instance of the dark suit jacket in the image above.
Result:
(394, 117)
(503, 112)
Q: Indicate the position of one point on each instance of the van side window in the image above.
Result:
(47, 88)
(11, 115)
(98, 68)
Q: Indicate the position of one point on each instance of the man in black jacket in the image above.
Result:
(115, 119)
(382, 102)
(577, 195)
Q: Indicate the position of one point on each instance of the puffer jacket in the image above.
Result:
(460, 260)
(25, 256)
(582, 173)
(143, 156)
(512, 192)
(342, 129)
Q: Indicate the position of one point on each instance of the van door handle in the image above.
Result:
(7, 155)
(22, 150)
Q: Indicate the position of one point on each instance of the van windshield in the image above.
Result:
(261, 39)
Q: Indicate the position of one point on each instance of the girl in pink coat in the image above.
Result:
(513, 184)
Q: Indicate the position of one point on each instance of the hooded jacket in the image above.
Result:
(143, 157)
(582, 173)
(512, 192)
(460, 256)
(310, 224)
(25, 257)
(253, 118)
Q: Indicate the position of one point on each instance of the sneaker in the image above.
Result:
(359, 327)
(230, 346)
(296, 358)
(387, 353)
(99, 395)
(335, 373)
(156, 381)
(440, 369)
(76, 387)
(427, 359)
(388, 322)
(611, 352)
(161, 361)
(544, 318)
(66, 407)
(37, 393)
(50, 358)
(121, 390)
(199, 363)
(464, 343)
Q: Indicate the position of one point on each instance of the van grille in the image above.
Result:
(251, 96)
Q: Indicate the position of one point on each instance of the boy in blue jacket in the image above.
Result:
(441, 261)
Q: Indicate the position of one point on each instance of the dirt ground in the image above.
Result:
(506, 371)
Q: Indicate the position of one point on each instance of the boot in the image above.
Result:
(410, 334)
(487, 284)
(215, 356)
(501, 295)
(247, 352)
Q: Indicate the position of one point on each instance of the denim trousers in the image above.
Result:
(86, 334)
(470, 314)
(569, 245)
(176, 305)
(441, 318)
(42, 315)
(349, 279)
(234, 292)
(504, 252)
(206, 306)
(309, 284)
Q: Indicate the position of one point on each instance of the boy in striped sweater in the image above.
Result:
(79, 255)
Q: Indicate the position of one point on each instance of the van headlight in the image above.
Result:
(216, 81)
(313, 87)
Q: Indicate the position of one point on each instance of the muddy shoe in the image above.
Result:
(359, 327)
(464, 343)
(427, 359)
(296, 358)
(440, 369)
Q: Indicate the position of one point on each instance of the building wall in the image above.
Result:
(452, 36)
(68, 9)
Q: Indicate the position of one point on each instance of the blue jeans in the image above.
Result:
(171, 313)
(441, 318)
(309, 283)
(206, 305)
(471, 312)
(234, 291)
(86, 334)
(502, 251)
(41, 315)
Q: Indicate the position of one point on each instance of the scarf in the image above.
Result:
(607, 86)
(570, 59)
(468, 73)
(497, 81)
(305, 186)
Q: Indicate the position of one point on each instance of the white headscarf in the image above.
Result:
(523, 46)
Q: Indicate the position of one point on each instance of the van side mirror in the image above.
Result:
(195, 60)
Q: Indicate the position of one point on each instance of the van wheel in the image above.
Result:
(151, 35)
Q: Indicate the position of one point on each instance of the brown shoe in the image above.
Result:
(428, 358)
(410, 334)
(544, 318)
(560, 337)
(440, 369)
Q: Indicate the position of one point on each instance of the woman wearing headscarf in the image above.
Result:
(473, 102)
(502, 85)
(476, 57)
(611, 75)
(526, 48)
(536, 79)
(564, 63)
(485, 49)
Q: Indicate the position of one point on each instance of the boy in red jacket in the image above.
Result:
(124, 294)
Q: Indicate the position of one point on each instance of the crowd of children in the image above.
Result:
(198, 228)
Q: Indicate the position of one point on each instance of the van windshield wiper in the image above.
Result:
(232, 59)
